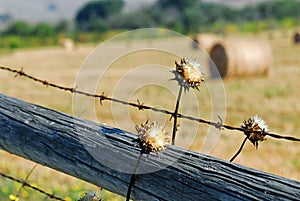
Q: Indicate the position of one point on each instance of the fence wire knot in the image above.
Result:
(102, 97)
(20, 72)
(73, 89)
(219, 124)
(140, 105)
(45, 82)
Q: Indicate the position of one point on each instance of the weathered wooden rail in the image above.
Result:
(105, 156)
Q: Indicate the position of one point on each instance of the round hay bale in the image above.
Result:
(205, 41)
(67, 44)
(240, 57)
(297, 37)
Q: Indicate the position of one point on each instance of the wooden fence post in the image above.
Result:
(105, 156)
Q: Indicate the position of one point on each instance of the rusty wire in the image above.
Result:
(140, 106)
(25, 183)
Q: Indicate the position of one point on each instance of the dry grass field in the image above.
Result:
(275, 98)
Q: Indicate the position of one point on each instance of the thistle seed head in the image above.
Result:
(255, 123)
(189, 73)
(152, 137)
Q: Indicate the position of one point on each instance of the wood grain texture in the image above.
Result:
(106, 156)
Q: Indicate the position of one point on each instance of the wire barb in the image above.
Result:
(25, 180)
(145, 107)
(73, 90)
(140, 105)
(102, 97)
(24, 183)
(251, 134)
(20, 72)
(45, 82)
(219, 124)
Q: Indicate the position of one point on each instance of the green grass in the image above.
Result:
(275, 92)
(42, 178)
(274, 97)
(9, 190)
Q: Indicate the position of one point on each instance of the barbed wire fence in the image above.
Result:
(140, 106)
(26, 184)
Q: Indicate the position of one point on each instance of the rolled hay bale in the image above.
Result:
(240, 57)
(297, 37)
(205, 41)
(67, 44)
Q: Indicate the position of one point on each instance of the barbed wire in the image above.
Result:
(25, 180)
(25, 183)
(140, 106)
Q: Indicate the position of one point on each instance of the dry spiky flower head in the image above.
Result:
(152, 137)
(255, 123)
(89, 196)
(189, 73)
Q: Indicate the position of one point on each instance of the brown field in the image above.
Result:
(275, 98)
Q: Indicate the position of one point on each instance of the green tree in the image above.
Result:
(62, 26)
(43, 30)
(192, 20)
(19, 28)
(286, 8)
(143, 18)
(101, 10)
(188, 16)
(173, 10)
(178, 4)
(271, 9)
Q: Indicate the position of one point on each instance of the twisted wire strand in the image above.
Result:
(102, 97)
(24, 183)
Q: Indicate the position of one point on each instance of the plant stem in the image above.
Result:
(175, 114)
(239, 151)
(133, 176)
(27, 177)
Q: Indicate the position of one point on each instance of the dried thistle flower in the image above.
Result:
(255, 123)
(151, 137)
(189, 73)
(89, 196)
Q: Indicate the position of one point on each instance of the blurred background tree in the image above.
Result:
(19, 28)
(99, 19)
(44, 30)
(93, 16)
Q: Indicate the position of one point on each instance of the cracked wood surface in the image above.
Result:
(106, 156)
